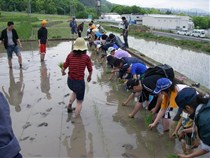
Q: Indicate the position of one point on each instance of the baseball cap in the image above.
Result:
(186, 97)
(131, 83)
(162, 84)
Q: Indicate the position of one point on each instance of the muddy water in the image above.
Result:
(38, 96)
(195, 65)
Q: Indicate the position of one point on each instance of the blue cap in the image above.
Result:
(162, 84)
(186, 97)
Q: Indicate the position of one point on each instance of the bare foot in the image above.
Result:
(130, 115)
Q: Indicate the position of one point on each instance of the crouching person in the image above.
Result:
(198, 108)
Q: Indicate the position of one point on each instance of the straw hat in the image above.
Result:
(44, 22)
(80, 44)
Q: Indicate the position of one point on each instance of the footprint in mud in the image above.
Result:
(43, 114)
(60, 103)
(126, 155)
(49, 109)
(43, 124)
(26, 125)
(25, 138)
(39, 100)
(66, 95)
(128, 146)
(28, 105)
(32, 139)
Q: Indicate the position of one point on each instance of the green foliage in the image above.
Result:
(53, 6)
(24, 30)
(120, 9)
(148, 119)
(172, 156)
(201, 22)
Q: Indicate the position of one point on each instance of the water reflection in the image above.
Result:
(15, 91)
(77, 146)
(45, 80)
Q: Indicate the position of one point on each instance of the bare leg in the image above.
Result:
(42, 57)
(165, 125)
(20, 60)
(78, 108)
(72, 99)
(10, 63)
(137, 107)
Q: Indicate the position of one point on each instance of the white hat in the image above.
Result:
(99, 46)
(80, 44)
(110, 49)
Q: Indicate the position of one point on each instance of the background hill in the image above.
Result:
(78, 8)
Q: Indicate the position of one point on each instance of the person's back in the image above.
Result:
(9, 146)
(77, 65)
(138, 69)
(121, 53)
(131, 60)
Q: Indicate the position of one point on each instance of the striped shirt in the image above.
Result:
(77, 65)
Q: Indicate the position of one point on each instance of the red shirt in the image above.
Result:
(77, 65)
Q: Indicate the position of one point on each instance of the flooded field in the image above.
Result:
(38, 95)
(194, 65)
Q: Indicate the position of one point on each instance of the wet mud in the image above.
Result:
(38, 96)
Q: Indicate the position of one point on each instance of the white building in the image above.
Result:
(134, 17)
(167, 22)
(111, 17)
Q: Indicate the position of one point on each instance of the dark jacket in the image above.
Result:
(42, 35)
(5, 38)
(9, 146)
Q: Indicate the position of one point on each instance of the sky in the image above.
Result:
(170, 4)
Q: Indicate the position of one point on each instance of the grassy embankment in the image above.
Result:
(141, 32)
(27, 26)
(58, 28)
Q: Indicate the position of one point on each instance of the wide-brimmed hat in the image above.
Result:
(162, 84)
(80, 44)
(185, 97)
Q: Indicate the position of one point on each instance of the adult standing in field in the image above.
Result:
(76, 62)
(80, 29)
(73, 26)
(125, 31)
(42, 39)
(10, 38)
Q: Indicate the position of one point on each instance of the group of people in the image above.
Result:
(192, 109)
(76, 29)
(168, 97)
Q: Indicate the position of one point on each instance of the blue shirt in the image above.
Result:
(138, 69)
(9, 146)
